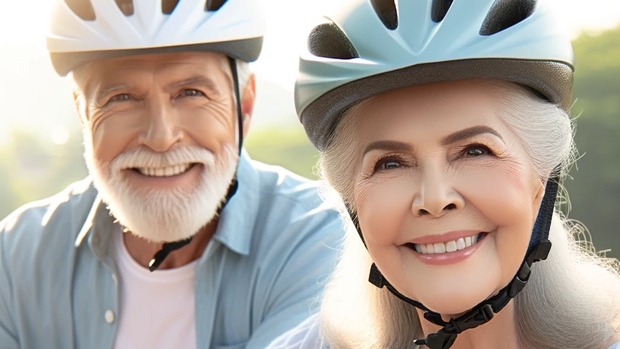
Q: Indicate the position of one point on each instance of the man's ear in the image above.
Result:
(248, 97)
(80, 105)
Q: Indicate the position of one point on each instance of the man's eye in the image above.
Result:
(192, 93)
(121, 98)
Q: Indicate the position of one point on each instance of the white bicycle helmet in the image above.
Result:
(367, 47)
(85, 30)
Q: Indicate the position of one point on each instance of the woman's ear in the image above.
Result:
(539, 194)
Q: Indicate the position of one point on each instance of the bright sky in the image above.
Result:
(23, 24)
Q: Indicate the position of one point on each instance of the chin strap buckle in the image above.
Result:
(437, 340)
(445, 338)
(539, 253)
(476, 318)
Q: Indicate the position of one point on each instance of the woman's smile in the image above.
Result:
(449, 248)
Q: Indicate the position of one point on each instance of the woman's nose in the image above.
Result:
(436, 195)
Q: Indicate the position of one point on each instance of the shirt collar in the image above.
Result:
(236, 220)
(236, 223)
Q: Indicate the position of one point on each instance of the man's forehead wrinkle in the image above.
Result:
(91, 78)
(81, 79)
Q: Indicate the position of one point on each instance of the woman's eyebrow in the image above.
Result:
(468, 133)
(387, 145)
(452, 138)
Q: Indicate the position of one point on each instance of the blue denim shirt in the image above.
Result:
(259, 276)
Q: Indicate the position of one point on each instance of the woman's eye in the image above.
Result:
(477, 150)
(387, 164)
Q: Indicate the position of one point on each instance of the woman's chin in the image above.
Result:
(451, 304)
(452, 311)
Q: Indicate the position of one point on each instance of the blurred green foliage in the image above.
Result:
(285, 147)
(595, 188)
(32, 168)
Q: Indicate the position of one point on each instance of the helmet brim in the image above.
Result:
(551, 79)
(247, 50)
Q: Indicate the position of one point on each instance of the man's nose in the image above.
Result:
(161, 130)
(435, 195)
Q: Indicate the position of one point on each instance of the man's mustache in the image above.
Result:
(143, 157)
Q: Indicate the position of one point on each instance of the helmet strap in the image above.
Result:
(484, 311)
(169, 247)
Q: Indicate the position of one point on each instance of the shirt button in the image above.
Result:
(109, 316)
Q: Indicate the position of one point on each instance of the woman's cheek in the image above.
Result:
(383, 206)
(498, 192)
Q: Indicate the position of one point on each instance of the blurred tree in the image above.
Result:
(33, 168)
(285, 147)
(595, 189)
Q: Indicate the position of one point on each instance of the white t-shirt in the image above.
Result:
(156, 310)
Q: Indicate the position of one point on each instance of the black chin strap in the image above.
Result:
(169, 247)
(483, 312)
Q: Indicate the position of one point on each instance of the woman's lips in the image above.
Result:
(448, 246)
(448, 252)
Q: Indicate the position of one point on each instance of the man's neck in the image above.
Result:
(142, 251)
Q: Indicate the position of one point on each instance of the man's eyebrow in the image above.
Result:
(468, 133)
(387, 145)
(108, 90)
(198, 80)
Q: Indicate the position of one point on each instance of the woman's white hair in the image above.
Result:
(572, 300)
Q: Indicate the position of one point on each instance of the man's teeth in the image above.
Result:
(163, 171)
(450, 246)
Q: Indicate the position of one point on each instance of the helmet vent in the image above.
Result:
(168, 6)
(440, 9)
(327, 40)
(82, 9)
(126, 6)
(214, 5)
(386, 10)
(506, 13)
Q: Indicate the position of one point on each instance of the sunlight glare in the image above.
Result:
(60, 135)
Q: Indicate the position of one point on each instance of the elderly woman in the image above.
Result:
(444, 127)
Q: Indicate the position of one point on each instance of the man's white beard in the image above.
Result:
(163, 215)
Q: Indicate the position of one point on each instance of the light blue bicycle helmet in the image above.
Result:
(368, 47)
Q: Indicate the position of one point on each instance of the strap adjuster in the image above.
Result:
(375, 277)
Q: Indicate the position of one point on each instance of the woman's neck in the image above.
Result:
(500, 332)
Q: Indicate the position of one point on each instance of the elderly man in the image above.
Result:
(177, 239)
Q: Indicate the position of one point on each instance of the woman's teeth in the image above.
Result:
(163, 171)
(450, 246)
